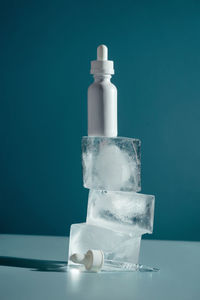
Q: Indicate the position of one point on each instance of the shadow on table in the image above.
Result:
(54, 266)
(34, 264)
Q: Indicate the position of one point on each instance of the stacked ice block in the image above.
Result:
(117, 215)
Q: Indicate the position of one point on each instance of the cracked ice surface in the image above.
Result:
(111, 163)
(115, 245)
(122, 211)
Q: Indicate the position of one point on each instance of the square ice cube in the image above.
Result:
(111, 163)
(121, 211)
(115, 245)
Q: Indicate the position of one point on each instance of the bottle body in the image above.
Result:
(102, 107)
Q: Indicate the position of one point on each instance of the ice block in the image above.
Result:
(111, 163)
(121, 211)
(122, 247)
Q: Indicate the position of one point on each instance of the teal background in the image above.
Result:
(45, 53)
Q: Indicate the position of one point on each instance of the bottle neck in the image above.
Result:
(101, 77)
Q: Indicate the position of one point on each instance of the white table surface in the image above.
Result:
(28, 271)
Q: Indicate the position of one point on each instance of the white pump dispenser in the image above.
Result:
(102, 97)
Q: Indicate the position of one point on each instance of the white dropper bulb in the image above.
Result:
(77, 258)
(102, 52)
(93, 260)
(102, 65)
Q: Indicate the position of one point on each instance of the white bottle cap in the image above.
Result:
(102, 65)
(93, 260)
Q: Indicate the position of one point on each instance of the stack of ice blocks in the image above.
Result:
(117, 215)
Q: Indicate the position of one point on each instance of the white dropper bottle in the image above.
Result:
(102, 97)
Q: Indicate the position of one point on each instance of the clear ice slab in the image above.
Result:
(111, 163)
(118, 247)
(121, 211)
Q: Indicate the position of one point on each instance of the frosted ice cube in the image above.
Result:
(116, 246)
(121, 211)
(111, 163)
